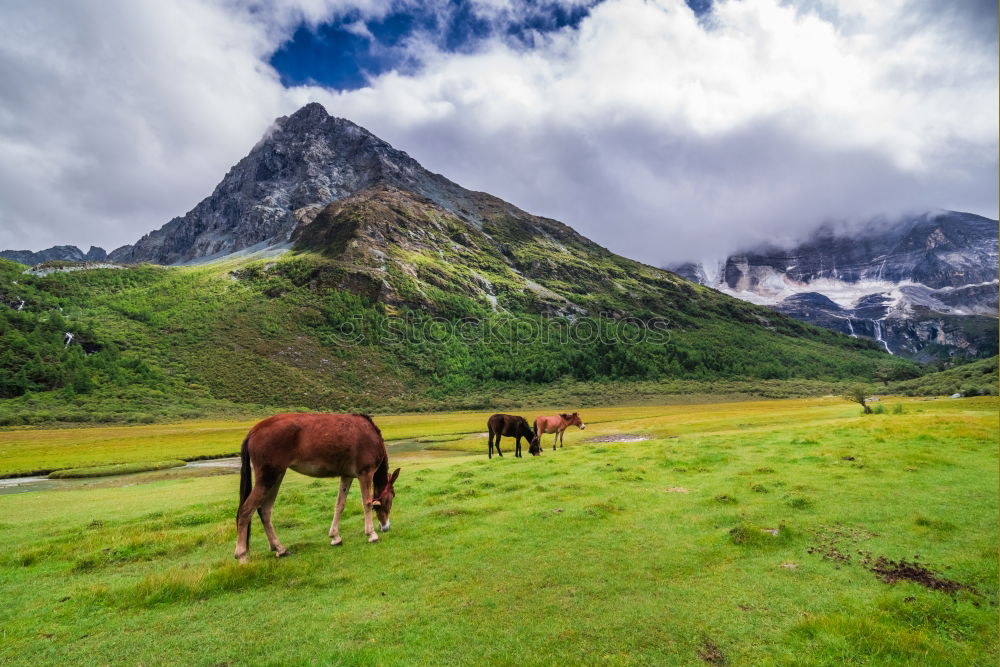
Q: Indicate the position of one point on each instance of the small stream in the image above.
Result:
(203, 468)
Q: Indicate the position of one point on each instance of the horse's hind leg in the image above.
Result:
(345, 488)
(491, 444)
(243, 517)
(273, 483)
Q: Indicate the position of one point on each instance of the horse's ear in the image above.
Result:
(395, 474)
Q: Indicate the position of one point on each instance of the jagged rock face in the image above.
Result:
(923, 287)
(304, 162)
(65, 253)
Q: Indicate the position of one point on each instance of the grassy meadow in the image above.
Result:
(766, 532)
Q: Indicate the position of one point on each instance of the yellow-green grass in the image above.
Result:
(26, 451)
(600, 553)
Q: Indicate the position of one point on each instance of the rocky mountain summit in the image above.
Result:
(923, 286)
(302, 163)
(64, 253)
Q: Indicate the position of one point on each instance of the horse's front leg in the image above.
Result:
(345, 488)
(517, 448)
(365, 480)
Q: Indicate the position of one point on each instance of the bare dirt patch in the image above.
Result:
(891, 571)
(711, 653)
(619, 437)
(677, 489)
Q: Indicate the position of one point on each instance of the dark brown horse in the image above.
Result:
(318, 445)
(511, 426)
(556, 424)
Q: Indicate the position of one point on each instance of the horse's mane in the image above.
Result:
(565, 416)
(381, 476)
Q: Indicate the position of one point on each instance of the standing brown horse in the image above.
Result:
(318, 445)
(558, 425)
(511, 426)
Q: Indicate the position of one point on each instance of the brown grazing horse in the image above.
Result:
(511, 426)
(558, 425)
(318, 445)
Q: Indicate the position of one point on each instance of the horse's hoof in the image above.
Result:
(373, 538)
(337, 542)
(242, 559)
(282, 553)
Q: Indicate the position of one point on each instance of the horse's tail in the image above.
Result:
(246, 481)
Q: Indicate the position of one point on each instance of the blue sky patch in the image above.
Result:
(342, 56)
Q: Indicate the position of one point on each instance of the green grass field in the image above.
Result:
(737, 532)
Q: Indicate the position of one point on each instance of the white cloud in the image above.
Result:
(654, 133)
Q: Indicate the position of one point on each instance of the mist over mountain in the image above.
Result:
(922, 286)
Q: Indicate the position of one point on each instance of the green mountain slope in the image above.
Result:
(388, 303)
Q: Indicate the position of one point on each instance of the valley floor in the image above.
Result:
(767, 532)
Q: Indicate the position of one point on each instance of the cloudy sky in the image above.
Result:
(662, 129)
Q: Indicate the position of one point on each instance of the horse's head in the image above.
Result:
(534, 439)
(383, 502)
(574, 420)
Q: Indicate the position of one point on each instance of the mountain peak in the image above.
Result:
(311, 110)
(312, 115)
(304, 162)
